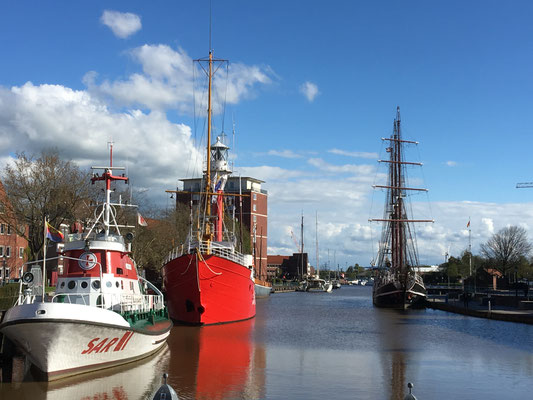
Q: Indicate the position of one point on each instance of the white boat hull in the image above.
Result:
(67, 339)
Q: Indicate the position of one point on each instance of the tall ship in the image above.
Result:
(398, 283)
(206, 279)
(102, 313)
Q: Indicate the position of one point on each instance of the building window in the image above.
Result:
(255, 196)
(8, 251)
(21, 252)
(255, 218)
(9, 229)
(2, 229)
(1, 251)
(255, 207)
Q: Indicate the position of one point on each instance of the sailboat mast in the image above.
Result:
(316, 234)
(398, 183)
(208, 171)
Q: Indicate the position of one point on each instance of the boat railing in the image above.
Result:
(113, 301)
(74, 237)
(223, 250)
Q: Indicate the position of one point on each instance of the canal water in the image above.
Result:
(321, 346)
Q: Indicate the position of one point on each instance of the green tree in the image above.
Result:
(506, 249)
(43, 185)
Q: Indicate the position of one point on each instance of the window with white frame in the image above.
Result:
(21, 252)
(255, 218)
(8, 251)
(1, 251)
(2, 229)
(9, 229)
(255, 196)
(255, 207)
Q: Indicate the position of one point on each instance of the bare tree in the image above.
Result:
(507, 248)
(39, 186)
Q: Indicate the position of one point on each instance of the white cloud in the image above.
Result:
(346, 168)
(283, 153)
(489, 224)
(122, 24)
(79, 126)
(309, 90)
(356, 154)
(451, 163)
(169, 80)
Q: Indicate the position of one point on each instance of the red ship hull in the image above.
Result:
(208, 290)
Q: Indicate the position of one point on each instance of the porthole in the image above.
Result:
(62, 285)
(96, 285)
(71, 285)
(108, 284)
(117, 284)
(84, 285)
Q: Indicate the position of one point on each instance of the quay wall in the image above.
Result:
(500, 315)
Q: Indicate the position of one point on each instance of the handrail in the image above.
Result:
(114, 301)
(207, 247)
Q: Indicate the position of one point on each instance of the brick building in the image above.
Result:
(254, 211)
(12, 244)
(293, 267)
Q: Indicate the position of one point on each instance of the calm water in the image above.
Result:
(319, 345)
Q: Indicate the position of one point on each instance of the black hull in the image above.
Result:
(393, 295)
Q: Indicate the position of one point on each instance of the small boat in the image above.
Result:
(318, 285)
(207, 280)
(262, 288)
(398, 283)
(103, 313)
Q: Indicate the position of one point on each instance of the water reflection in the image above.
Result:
(307, 346)
(396, 350)
(217, 362)
(126, 382)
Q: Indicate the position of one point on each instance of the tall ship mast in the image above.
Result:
(398, 283)
(207, 281)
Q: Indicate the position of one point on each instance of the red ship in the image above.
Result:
(207, 281)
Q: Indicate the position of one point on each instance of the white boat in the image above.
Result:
(318, 285)
(101, 313)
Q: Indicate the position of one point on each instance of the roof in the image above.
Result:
(276, 259)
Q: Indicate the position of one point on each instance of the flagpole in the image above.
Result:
(44, 257)
(470, 244)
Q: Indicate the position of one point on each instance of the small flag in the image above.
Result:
(53, 234)
(140, 220)
(468, 225)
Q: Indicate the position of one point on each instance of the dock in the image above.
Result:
(496, 308)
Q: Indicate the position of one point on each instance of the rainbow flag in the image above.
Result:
(53, 234)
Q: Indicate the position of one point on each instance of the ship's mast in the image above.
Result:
(108, 177)
(396, 229)
(207, 233)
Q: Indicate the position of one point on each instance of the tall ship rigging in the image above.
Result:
(206, 279)
(398, 283)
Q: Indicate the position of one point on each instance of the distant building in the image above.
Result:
(274, 263)
(254, 211)
(12, 244)
(296, 266)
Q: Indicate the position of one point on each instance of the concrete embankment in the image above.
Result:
(473, 310)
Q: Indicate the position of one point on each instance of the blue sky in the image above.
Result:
(460, 71)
